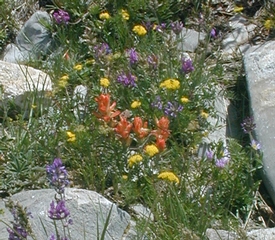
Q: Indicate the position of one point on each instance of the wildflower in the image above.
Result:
(213, 33)
(157, 103)
(63, 81)
(163, 128)
(61, 16)
(160, 27)
(172, 109)
(123, 128)
(78, 67)
(140, 128)
(71, 137)
(124, 177)
(125, 15)
(152, 61)
(57, 175)
(177, 27)
(17, 232)
(161, 144)
(268, 24)
(134, 159)
(171, 84)
(34, 106)
(104, 16)
(255, 145)
(185, 100)
(187, 65)
(106, 109)
(222, 162)
(135, 104)
(133, 56)
(204, 114)
(127, 80)
(248, 125)
(90, 61)
(238, 9)
(104, 82)
(139, 30)
(170, 176)
(151, 150)
(209, 154)
(58, 211)
(102, 50)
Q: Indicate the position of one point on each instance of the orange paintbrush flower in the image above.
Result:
(161, 144)
(140, 128)
(123, 128)
(106, 109)
(163, 128)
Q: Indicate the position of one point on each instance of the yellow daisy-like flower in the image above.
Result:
(63, 81)
(151, 150)
(135, 104)
(172, 84)
(125, 15)
(104, 82)
(134, 159)
(171, 177)
(204, 114)
(139, 30)
(71, 136)
(78, 67)
(104, 16)
(185, 100)
(238, 9)
(268, 24)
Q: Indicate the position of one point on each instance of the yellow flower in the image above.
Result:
(172, 84)
(171, 177)
(151, 150)
(185, 100)
(104, 16)
(125, 15)
(63, 81)
(78, 67)
(238, 9)
(135, 104)
(134, 159)
(90, 61)
(124, 177)
(71, 136)
(268, 24)
(204, 114)
(139, 30)
(104, 82)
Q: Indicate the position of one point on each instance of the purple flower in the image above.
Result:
(127, 80)
(57, 175)
(248, 125)
(58, 211)
(61, 16)
(222, 162)
(172, 109)
(102, 49)
(177, 27)
(17, 233)
(160, 27)
(52, 237)
(255, 145)
(133, 56)
(187, 65)
(213, 33)
(157, 103)
(209, 154)
(152, 61)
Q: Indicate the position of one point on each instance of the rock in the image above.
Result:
(241, 32)
(143, 212)
(190, 40)
(22, 85)
(79, 96)
(261, 234)
(259, 63)
(88, 210)
(214, 234)
(32, 41)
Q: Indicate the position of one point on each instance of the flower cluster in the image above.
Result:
(134, 159)
(172, 84)
(127, 80)
(177, 27)
(170, 176)
(172, 109)
(58, 211)
(60, 16)
(221, 159)
(187, 65)
(248, 125)
(139, 30)
(133, 55)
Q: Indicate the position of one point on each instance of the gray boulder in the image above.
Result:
(259, 64)
(88, 210)
(32, 41)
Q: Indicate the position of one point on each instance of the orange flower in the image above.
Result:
(123, 128)
(106, 109)
(140, 128)
(161, 144)
(163, 128)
